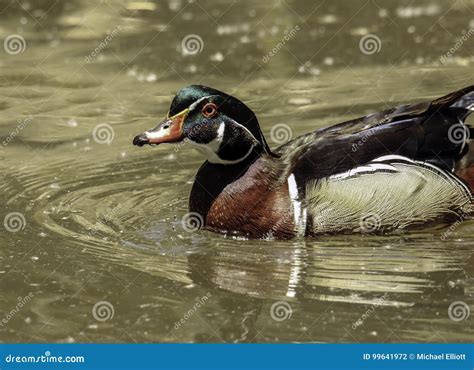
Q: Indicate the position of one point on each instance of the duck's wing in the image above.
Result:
(432, 132)
(388, 193)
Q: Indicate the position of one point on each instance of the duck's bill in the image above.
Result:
(168, 131)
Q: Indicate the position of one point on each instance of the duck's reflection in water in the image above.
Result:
(316, 283)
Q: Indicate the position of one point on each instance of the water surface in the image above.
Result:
(100, 220)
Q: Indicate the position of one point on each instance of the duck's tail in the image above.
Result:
(461, 105)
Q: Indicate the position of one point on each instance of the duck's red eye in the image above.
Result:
(209, 110)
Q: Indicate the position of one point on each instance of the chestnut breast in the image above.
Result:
(248, 207)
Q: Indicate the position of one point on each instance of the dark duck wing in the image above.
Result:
(397, 167)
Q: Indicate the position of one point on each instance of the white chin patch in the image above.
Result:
(211, 149)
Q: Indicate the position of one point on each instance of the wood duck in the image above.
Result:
(405, 167)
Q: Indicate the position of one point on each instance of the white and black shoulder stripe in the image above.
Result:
(299, 208)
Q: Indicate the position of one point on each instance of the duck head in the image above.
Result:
(219, 125)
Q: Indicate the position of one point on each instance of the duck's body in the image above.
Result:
(386, 171)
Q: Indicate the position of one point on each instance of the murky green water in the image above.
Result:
(99, 221)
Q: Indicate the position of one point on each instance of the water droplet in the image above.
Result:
(151, 77)
(72, 122)
(328, 61)
(217, 57)
(299, 101)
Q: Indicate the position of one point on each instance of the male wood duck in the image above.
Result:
(405, 167)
